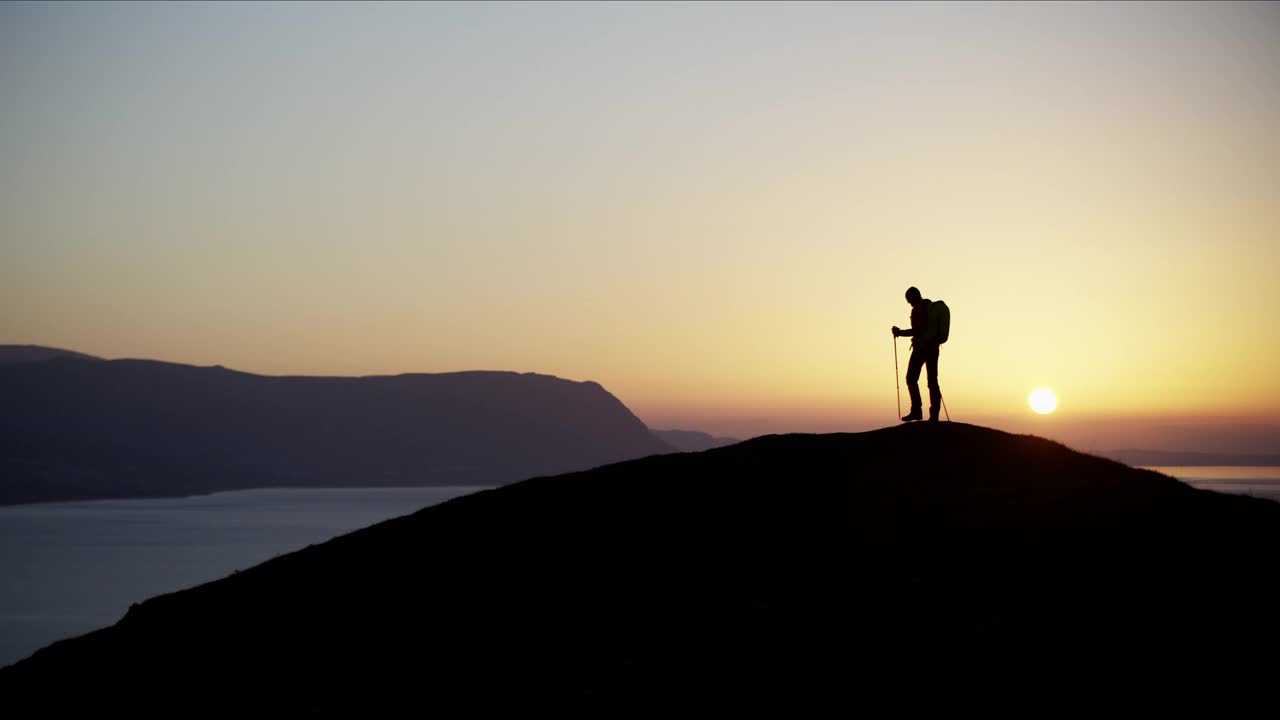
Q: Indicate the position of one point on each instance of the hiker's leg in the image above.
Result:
(935, 392)
(913, 379)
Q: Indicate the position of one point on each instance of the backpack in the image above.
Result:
(940, 320)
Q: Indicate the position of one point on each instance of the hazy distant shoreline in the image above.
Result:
(1175, 458)
(239, 491)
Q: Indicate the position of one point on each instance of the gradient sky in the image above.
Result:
(711, 209)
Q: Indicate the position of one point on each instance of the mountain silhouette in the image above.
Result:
(921, 570)
(72, 428)
(692, 440)
(10, 354)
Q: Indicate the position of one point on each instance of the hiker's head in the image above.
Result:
(913, 296)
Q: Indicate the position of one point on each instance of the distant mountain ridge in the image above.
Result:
(72, 428)
(692, 440)
(10, 354)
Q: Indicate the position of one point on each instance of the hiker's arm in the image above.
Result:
(899, 332)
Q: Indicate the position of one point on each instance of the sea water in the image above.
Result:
(69, 568)
(1261, 482)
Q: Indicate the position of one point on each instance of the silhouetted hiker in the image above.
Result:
(930, 326)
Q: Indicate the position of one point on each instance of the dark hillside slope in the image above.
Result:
(923, 570)
(73, 429)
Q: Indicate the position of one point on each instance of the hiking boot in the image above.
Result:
(912, 416)
(933, 415)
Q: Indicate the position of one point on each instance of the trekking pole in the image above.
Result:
(944, 409)
(897, 383)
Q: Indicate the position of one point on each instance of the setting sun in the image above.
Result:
(1043, 400)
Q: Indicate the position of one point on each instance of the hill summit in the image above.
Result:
(925, 569)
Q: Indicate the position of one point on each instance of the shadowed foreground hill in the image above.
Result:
(73, 428)
(919, 570)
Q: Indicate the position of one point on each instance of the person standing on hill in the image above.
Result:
(927, 334)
